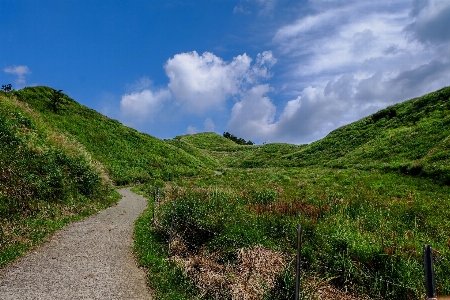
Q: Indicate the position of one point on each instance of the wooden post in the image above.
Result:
(429, 272)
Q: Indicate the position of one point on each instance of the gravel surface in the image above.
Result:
(88, 259)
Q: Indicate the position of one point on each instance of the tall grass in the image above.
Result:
(363, 230)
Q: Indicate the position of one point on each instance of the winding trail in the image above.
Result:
(88, 259)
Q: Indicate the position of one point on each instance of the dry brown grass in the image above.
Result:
(328, 292)
(249, 278)
(254, 273)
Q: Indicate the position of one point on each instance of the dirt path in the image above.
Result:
(89, 259)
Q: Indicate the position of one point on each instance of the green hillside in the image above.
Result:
(411, 137)
(228, 154)
(46, 179)
(128, 155)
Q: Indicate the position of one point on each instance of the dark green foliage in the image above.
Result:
(7, 87)
(239, 141)
(57, 100)
(387, 113)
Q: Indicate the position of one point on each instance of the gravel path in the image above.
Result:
(88, 259)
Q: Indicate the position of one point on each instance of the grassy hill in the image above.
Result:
(57, 166)
(228, 154)
(128, 155)
(411, 137)
(47, 179)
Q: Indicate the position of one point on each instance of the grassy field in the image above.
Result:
(368, 196)
(364, 229)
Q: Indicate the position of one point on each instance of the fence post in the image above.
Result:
(297, 271)
(429, 272)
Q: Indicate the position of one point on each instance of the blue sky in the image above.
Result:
(264, 70)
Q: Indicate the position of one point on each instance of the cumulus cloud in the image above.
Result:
(191, 130)
(138, 107)
(209, 125)
(197, 84)
(203, 82)
(253, 116)
(20, 72)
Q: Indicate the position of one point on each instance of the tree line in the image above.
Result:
(237, 140)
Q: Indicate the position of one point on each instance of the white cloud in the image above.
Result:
(141, 84)
(142, 106)
(197, 84)
(191, 130)
(253, 116)
(20, 72)
(342, 60)
(349, 59)
(209, 125)
(204, 82)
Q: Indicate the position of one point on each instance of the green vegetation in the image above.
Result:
(7, 87)
(368, 196)
(128, 156)
(46, 179)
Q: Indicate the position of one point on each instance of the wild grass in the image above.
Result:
(363, 229)
(46, 180)
(368, 196)
(128, 155)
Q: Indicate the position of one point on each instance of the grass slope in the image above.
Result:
(364, 225)
(46, 179)
(128, 155)
(411, 137)
(228, 154)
